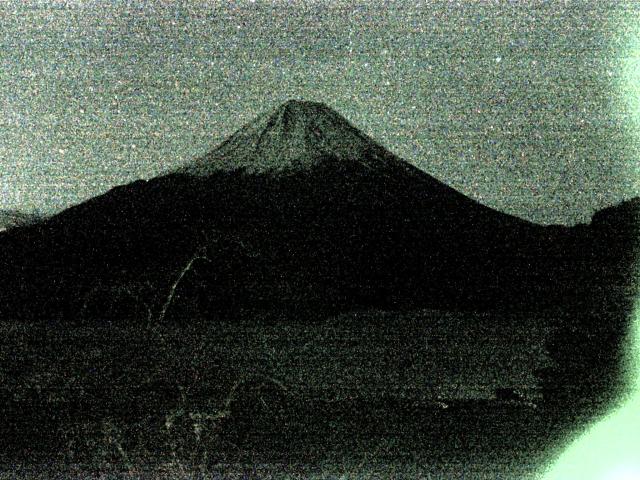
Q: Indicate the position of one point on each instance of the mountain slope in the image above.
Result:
(297, 210)
(297, 135)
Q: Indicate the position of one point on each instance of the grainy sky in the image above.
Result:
(523, 106)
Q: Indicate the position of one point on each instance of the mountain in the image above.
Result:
(298, 210)
(296, 136)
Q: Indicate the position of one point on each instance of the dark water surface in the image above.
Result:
(360, 395)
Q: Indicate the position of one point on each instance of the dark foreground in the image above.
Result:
(214, 402)
(349, 439)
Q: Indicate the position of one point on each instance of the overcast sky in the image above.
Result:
(522, 106)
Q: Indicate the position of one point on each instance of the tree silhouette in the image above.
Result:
(199, 255)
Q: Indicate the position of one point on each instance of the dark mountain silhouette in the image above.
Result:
(586, 343)
(300, 210)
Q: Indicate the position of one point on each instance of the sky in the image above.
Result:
(523, 106)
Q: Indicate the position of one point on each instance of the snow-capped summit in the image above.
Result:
(296, 135)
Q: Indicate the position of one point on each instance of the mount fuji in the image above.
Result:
(297, 135)
(300, 210)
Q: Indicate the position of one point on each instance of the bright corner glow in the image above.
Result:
(610, 450)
